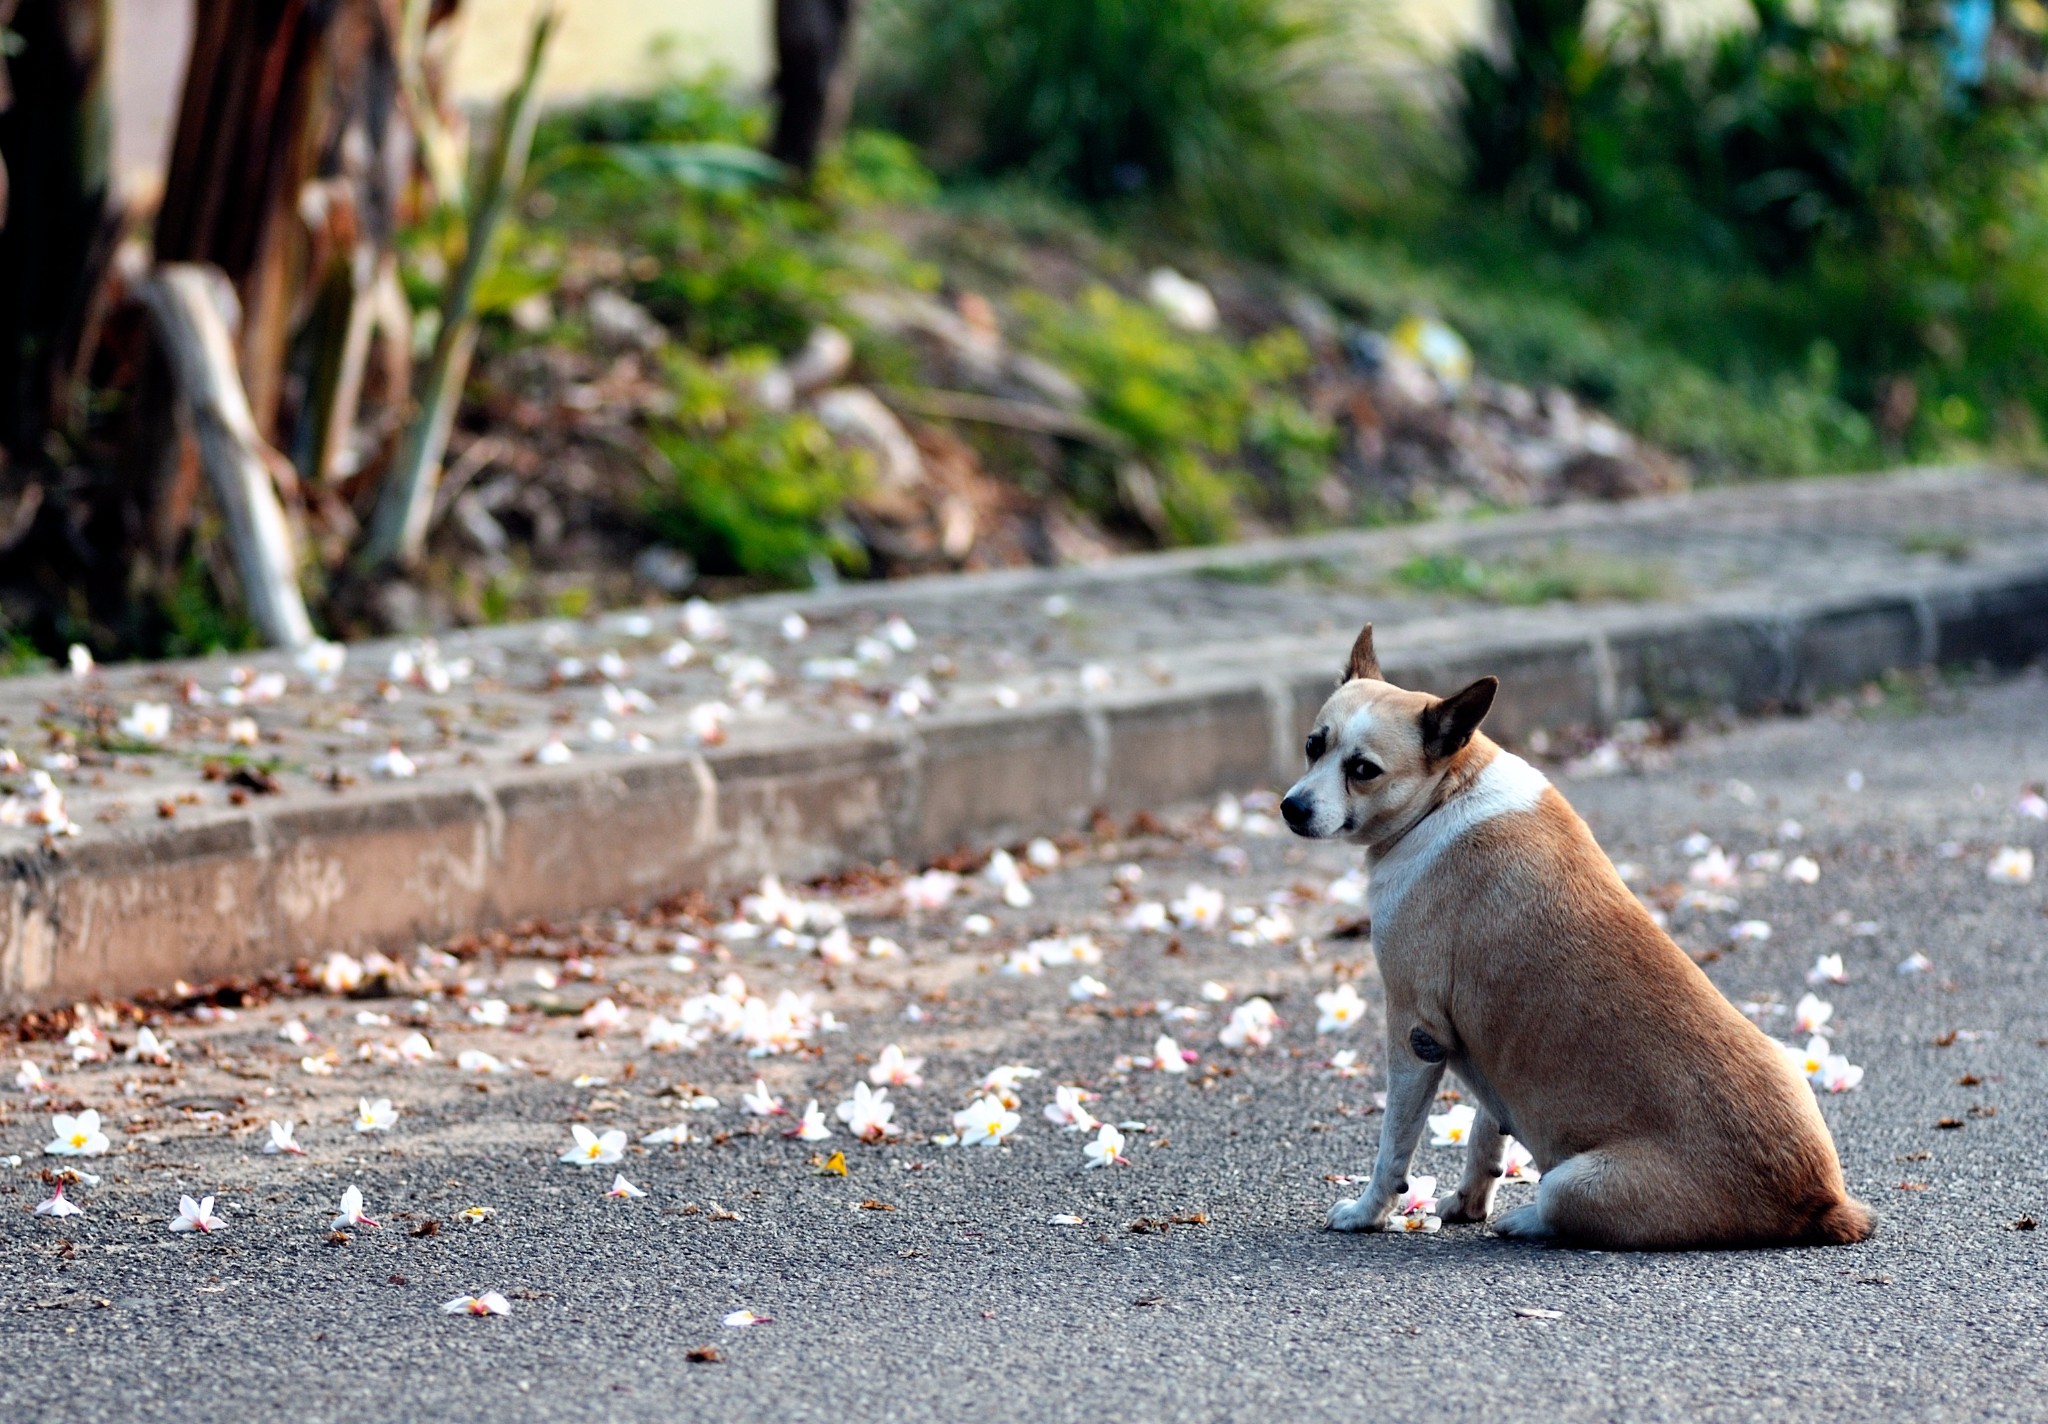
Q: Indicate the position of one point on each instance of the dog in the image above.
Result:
(1514, 956)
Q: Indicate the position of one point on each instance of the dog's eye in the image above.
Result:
(1359, 769)
(1317, 744)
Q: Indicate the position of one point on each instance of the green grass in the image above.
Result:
(1951, 544)
(1560, 574)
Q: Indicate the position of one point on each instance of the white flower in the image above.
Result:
(553, 752)
(1420, 1197)
(2032, 805)
(1341, 1009)
(2013, 865)
(1168, 1056)
(80, 658)
(1422, 1222)
(604, 1016)
(196, 1215)
(1519, 1164)
(1042, 854)
(1750, 931)
(867, 1114)
(1087, 987)
(375, 1117)
(57, 1206)
(592, 1150)
(242, 731)
(1251, 1025)
(931, 890)
(340, 974)
(985, 1122)
(1715, 870)
(393, 764)
(1066, 1110)
(893, 1070)
(29, 1078)
(811, 1127)
(416, 1049)
(1802, 870)
(882, 947)
(322, 660)
(149, 1048)
(1453, 1128)
(281, 1140)
(706, 723)
(762, 1103)
(321, 1066)
(78, 1136)
(488, 1303)
(1827, 970)
(623, 1189)
(1107, 1150)
(1915, 963)
(1199, 907)
(1811, 1014)
(491, 1013)
(351, 1211)
(1837, 1074)
(147, 722)
(1345, 1063)
(741, 1319)
(475, 1060)
(1147, 917)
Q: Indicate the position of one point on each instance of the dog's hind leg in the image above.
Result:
(1411, 1088)
(1628, 1197)
(1485, 1154)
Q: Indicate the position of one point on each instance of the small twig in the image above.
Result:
(1010, 414)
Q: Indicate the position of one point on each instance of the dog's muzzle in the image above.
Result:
(1298, 813)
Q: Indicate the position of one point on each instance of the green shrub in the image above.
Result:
(749, 491)
(1212, 105)
(1213, 421)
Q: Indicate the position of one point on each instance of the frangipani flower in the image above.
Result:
(147, 722)
(930, 891)
(592, 1150)
(2013, 865)
(1066, 1110)
(281, 1140)
(351, 1211)
(741, 1319)
(78, 1136)
(1003, 1079)
(985, 1122)
(1453, 1128)
(375, 1117)
(29, 1077)
(488, 1303)
(603, 1016)
(1251, 1025)
(416, 1049)
(475, 1060)
(491, 1013)
(892, 1069)
(149, 1048)
(1107, 1150)
(623, 1189)
(868, 1114)
(1199, 908)
(57, 1206)
(1341, 1009)
(1168, 1056)
(1716, 870)
(1802, 870)
(196, 1215)
(761, 1102)
(1421, 1221)
(1811, 1014)
(1344, 1063)
(675, 1136)
(812, 1126)
(1827, 970)
(1419, 1197)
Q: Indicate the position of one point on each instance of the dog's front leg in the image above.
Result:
(1485, 1153)
(1411, 1088)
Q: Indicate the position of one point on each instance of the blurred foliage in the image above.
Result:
(200, 622)
(1214, 108)
(1215, 421)
(750, 490)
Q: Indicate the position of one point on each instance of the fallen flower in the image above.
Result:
(294, 1032)
(1107, 1150)
(1345, 1063)
(149, 1048)
(1341, 1009)
(196, 1215)
(491, 1013)
(1749, 931)
(1827, 970)
(592, 1150)
(1519, 1164)
(985, 1122)
(1419, 1197)
(78, 1136)
(475, 1060)
(1087, 987)
(57, 1206)
(603, 1016)
(1199, 907)
(1915, 963)
(281, 1140)
(29, 1078)
(1811, 1014)
(1453, 1128)
(488, 1303)
(892, 1069)
(375, 1117)
(1003, 1079)
(1168, 1056)
(416, 1049)
(1802, 870)
(351, 1211)
(741, 1319)
(2013, 865)
(393, 764)
(623, 1189)
(675, 1136)
(147, 722)
(867, 1114)
(1065, 1218)
(475, 1214)
(762, 1103)
(1066, 1110)
(811, 1127)
(1251, 1025)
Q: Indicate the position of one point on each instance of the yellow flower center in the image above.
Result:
(78, 1139)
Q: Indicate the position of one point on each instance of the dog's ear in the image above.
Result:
(1449, 724)
(1364, 661)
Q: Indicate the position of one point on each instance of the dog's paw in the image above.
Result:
(1524, 1223)
(1463, 1205)
(1358, 1214)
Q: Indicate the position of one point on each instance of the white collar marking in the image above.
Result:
(1506, 785)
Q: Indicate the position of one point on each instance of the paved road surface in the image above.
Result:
(964, 1301)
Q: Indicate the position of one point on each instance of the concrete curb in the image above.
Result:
(396, 863)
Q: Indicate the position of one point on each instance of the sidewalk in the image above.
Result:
(559, 767)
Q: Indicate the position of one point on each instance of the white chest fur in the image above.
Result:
(1506, 785)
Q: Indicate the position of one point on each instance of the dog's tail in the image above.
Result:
(1843, 1223)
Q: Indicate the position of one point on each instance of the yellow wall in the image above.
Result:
(611, 44)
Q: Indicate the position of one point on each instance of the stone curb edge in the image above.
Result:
(397, 863)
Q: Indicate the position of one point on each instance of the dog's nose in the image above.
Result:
(1296, 811)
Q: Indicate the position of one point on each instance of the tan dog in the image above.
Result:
(1514, 955)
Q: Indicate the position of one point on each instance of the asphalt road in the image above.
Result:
(964, 1301)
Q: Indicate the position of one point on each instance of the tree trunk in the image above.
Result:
(813, 77)
(53, 225)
